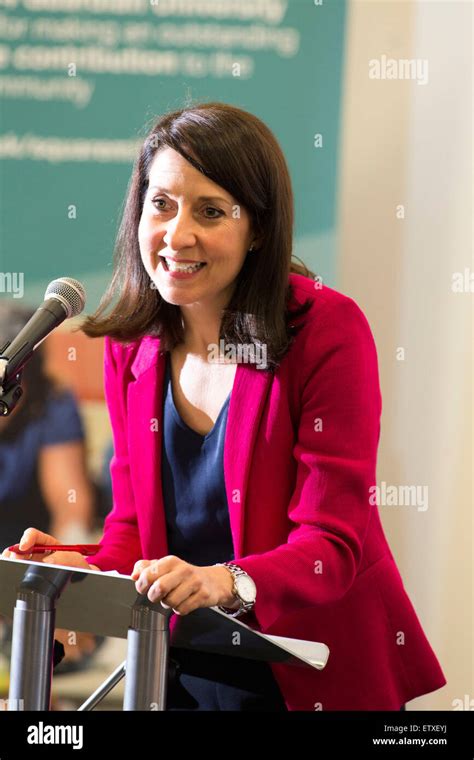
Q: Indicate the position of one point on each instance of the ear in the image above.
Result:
(256, 241)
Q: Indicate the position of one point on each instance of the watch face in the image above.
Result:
(246, 588)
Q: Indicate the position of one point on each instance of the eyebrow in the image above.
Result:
(201, 197)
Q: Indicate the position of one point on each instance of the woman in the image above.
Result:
(264, 459)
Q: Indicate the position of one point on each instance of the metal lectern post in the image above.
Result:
(146, 669)
(33, 638)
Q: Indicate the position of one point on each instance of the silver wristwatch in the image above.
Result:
(244, 589)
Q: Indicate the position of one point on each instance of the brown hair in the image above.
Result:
(240, 153)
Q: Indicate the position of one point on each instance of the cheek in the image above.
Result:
(148, 235)
(142, 235)
(143, 232)
(145, 246)
(230, 243)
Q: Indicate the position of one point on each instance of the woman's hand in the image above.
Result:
(31, 536)
(182, 586)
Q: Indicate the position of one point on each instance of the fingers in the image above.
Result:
(174, 587)
(164, 563)
(147, 575)
(68, 559)
(14, 555)
(31, 536)
(139, 566)
(147, 572)
(175, 599)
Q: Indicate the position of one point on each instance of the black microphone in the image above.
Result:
(64, 298)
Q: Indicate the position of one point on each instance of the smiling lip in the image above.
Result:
(180, 275)
(183, 261)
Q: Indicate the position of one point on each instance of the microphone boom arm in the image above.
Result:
(10, 393)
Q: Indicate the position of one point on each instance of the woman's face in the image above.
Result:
(188, 217)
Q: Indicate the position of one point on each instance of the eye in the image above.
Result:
(158, 200)
(218, 212)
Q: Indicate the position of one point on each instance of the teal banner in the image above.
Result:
(82, 80)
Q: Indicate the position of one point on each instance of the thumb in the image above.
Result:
(33, 536)
(28, 539)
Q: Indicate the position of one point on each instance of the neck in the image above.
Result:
(202, 322)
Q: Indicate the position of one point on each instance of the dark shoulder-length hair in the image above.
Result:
(240, 153)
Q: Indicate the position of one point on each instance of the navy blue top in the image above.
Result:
(198, 531)
(196, 509)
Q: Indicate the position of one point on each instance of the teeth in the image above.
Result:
(174, 267)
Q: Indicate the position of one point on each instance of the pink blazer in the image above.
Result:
(299, 460)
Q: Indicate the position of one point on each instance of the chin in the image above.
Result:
(176, 296)
(175, 300)
(184, 294)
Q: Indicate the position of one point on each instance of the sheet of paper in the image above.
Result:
(313, 651)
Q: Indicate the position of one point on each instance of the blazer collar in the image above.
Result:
(147, 355)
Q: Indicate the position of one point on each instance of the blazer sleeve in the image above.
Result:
(120, 544)
(335, 450)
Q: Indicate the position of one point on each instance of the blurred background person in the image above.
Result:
(43, 473)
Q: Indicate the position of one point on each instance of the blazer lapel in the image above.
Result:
(145, 426)
(144, 435)
(247, 401)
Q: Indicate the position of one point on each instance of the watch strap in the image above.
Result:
(244, 606)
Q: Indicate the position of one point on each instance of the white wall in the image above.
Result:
(411, 144)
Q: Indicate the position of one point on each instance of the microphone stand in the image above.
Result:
(10, 390)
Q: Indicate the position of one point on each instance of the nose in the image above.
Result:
(180, 231)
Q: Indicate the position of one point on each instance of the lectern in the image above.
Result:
(43, 596)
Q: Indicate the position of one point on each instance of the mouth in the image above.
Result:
(183, 267)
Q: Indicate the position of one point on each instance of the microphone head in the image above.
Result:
(69, 292)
